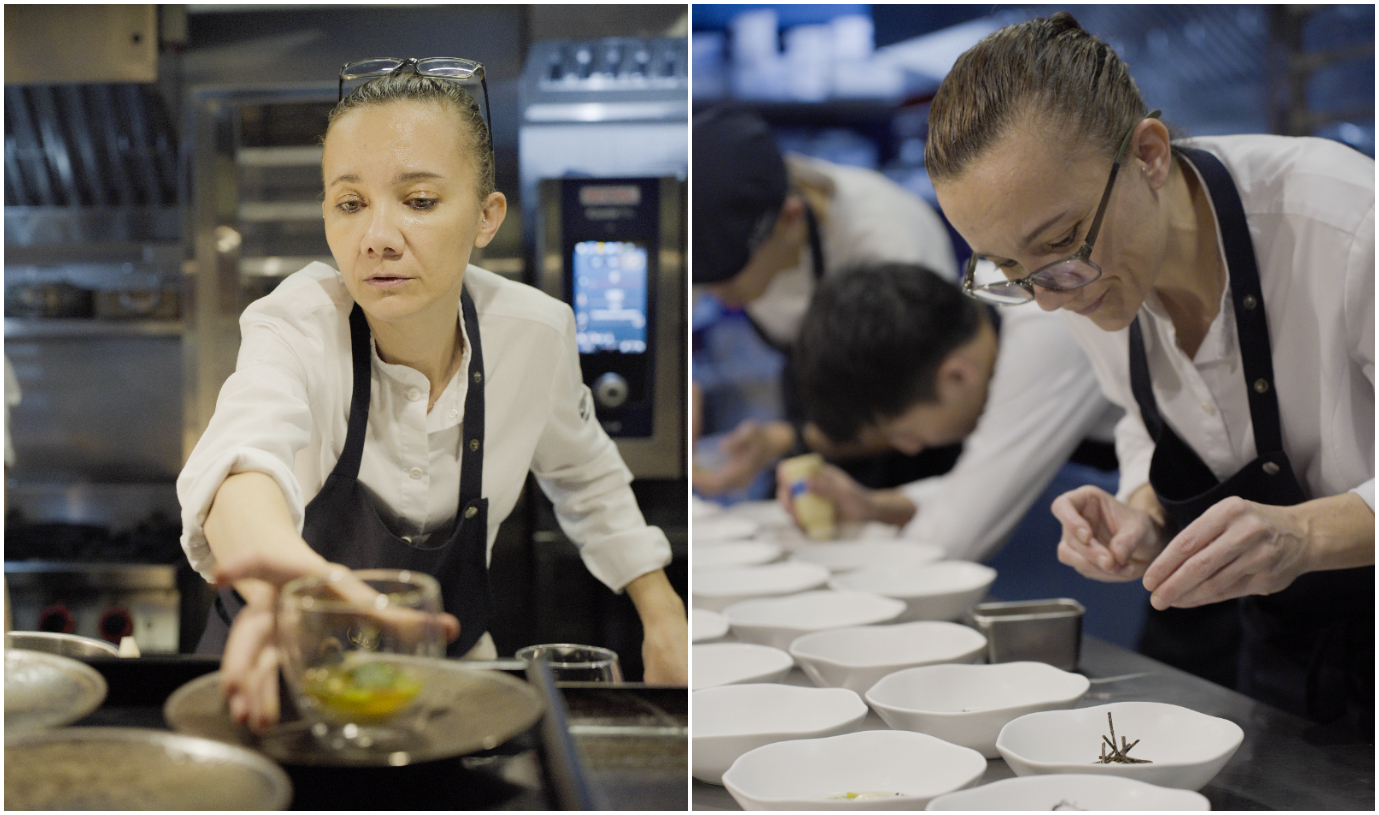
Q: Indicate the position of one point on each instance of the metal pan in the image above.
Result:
(47, 690)
(471, 710)
(137, 768)
(66, 645)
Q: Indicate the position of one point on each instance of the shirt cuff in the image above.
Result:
(1366, 493)
(197, 491)
(620, 558)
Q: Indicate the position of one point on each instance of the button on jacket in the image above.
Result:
(285, 410)
(1310, 208)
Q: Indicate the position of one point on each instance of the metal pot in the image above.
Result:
(67, 645)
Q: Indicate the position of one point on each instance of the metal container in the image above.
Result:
(65, 645)
(1035, 630)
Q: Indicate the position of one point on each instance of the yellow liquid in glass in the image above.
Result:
(363, 693)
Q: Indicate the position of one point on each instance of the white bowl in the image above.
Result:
(779, 620)
(931, 591)
(699, 508)
(706, 625)
(766, 514)
(737, 663)
(1187, 748)
(728, 721)
(719, 528)
(843, 557)
(969, 704)
(1090, 792)
(857, 658)
(717, 589)
(805, 774)
(707, 556)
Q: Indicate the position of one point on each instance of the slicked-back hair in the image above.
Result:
(872, 341)
(1048, 70)
(404, 86)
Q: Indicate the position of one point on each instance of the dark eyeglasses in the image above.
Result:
(453, 68)
(1071, 272)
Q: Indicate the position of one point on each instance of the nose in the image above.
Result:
(382, 239)
(1050, 300)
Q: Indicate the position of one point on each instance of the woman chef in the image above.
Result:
(364, 401)
(1224, 290)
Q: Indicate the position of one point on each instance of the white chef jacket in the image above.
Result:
(1042, 401)
(285, 412)
(870, 219)
(1309, 204)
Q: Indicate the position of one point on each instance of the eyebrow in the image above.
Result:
(417, 175)
(1028, 239)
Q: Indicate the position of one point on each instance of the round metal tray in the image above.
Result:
(66, 645)
(137, 768)
(46, 690)
(471, 710)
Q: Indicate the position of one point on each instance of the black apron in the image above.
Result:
(1308, 649)
(343, 525)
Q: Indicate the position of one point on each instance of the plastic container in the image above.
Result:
(815, 513)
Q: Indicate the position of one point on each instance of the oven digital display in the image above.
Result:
(610, 296)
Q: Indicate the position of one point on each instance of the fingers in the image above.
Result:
(1194, 539)
(262, 690)
(272, 568)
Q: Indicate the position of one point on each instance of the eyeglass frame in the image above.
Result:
(415, 63)
(1082, 255)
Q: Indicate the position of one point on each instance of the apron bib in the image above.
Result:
(1308, 649)
(342, 523)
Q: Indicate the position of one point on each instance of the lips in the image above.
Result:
(384, 281)
(1088, 309)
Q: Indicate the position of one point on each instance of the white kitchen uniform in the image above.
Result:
(285, 410)
(1042, 401)
(1309, 204)
(870, 219)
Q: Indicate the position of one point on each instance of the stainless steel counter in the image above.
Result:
(1278, 766)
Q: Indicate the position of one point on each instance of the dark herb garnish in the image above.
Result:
(1118, 755)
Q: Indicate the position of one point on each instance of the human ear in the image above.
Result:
(1152, 152)
(495, 209)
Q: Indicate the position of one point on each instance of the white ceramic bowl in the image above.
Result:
(1091, 792)
(718, 528)
(737, 663)
(805, 774)
(857, 658)
(706, 625)
(969, 704)
(766, 514)
(707, 556)
(717, 589)
(931, 591)
(699, 508)
(1187, 748)
(779, 620)
(846, 556)
(728, 721)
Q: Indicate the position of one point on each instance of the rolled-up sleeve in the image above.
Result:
(579, 468)
(262, 418)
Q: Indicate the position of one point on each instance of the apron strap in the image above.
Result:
(472, 453)
(361, 355)
(1247, 296)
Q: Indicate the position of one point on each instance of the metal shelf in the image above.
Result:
(41, 328)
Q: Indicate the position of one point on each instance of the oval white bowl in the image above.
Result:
(766, 514)
(847, 556)
(730, 720)
(803, 774)
(858, 657)
(969, 704)
(1090, 792)
(718, 528)
(699, 508)
(737, 663)
(705, 556)
(717, 589)
(706, 625)
(778, 621)
(1187, 748)
(931, 591)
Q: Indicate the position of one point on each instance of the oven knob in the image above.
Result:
(56, 619)
(610, 390)
(116, 624)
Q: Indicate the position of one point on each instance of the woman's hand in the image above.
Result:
(1238, 547)
(1103, 538)
(749, 449)
(249, 665)
(665, 630)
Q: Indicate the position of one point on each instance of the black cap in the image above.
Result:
(739, 187)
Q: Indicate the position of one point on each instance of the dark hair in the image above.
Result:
(402, 86)
(1048, 67)
(872, 341)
